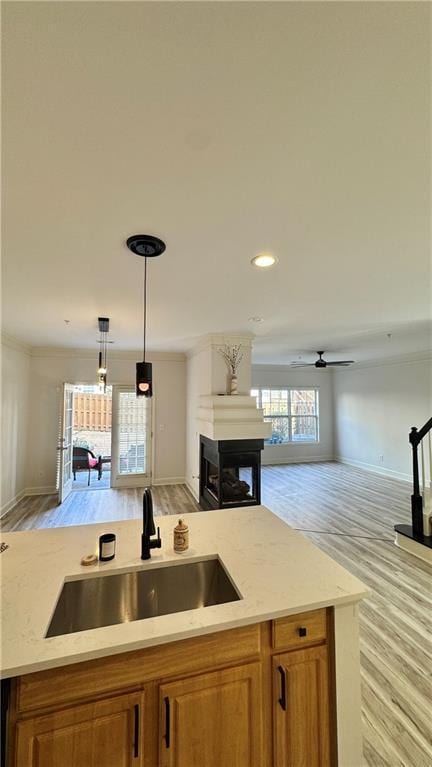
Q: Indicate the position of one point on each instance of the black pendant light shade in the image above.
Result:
(147, 246)
(144, 379)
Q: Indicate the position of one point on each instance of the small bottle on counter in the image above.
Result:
(107, 545)
(181, 536)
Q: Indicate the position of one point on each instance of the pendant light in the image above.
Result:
(103, 343)
(146, 246)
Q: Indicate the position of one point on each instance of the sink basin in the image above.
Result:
(106, 600)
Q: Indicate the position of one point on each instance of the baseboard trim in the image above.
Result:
(299, 459)
(9, 505)
(192, 490)
(374, 468)
(28, 491)
(42, 490)
(168, 481)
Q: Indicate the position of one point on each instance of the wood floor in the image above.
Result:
(350, 515)
(91, 506)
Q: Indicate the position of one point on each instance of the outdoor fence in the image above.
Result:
(92, 412)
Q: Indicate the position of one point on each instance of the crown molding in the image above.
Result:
(408, 358)
(220, 339)
(268, 368)
(118, 355)
(14, 343)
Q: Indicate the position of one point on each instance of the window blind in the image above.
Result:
(133, 428)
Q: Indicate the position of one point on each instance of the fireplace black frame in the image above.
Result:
(245, 453)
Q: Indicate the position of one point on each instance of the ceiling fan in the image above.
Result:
(320, 363)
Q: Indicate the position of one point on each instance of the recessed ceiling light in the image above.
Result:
(255, 319)
(264, 260)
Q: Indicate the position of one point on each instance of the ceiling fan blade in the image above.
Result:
(302, 364)
(341, 362)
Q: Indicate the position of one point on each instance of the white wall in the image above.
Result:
(375, 407)
(371, 409)
(15, 363)
(169, 374)
(198, 381)
(49, 369)
(285, 376)
(207, 374)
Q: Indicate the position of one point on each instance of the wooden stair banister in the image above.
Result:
(418, 434)
(415, 438)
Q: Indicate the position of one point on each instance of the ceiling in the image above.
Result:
(226, 129)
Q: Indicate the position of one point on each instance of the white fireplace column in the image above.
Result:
(210, 410)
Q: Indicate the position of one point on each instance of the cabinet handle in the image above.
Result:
(302, 632)
(282, 699)
(167, 722)
(136, 731)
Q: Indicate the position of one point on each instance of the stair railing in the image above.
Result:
(416, 438)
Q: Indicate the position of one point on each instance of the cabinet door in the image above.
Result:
(212, 720)
(94, 735)
(301, 708)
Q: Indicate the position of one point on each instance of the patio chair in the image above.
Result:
(85, 460)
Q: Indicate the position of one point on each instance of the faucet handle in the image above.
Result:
(156, 543)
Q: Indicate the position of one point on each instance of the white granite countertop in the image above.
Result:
(276, 570)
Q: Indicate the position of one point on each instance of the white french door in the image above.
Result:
(65, 443)
(131, 438)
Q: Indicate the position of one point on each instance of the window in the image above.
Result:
(132, 438)
(293, 414)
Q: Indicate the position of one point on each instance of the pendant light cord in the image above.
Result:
(145, 307)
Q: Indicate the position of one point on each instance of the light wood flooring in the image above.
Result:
(350, 515)
(91, 506)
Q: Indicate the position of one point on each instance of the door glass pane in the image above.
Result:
(67, 470)
(133, 415)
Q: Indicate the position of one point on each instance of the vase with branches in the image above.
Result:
(233, 357)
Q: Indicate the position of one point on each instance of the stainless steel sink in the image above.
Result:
(105, 600)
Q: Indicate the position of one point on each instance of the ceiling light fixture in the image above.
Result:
(147, 246)
(256, 319)
(103, 342)
(264, 260)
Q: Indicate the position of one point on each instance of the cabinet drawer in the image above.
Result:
(300, 630)
(118, 672)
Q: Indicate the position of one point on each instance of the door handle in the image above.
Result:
(282, 700)
(136, 736)
(62, 448)
(167, 735)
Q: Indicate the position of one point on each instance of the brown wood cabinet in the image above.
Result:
(95, 735)
(247, 697)
(212, 719)
(301, 708)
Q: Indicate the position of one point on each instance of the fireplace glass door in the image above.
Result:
(237, 481)
(230, 473)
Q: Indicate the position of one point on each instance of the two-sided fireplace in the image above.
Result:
(230, 472)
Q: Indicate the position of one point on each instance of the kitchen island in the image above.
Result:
(271, 678)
